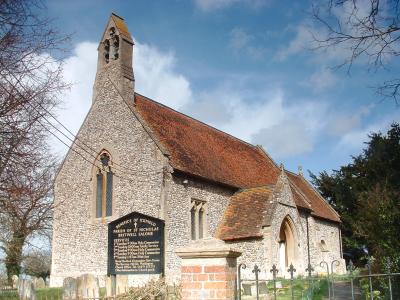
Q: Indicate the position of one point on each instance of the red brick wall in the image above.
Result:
(215, 282)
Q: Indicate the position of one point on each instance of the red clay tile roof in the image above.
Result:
(201, 150)
(299, 198)
(244, 216)
(320, 208)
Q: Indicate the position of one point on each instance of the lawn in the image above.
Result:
(41, 294)
(319, 289)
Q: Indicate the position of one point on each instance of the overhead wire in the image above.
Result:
(90, 162)
(155, 172)
(75, 137)
(115, 165)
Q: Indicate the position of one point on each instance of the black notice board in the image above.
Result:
(136, 245)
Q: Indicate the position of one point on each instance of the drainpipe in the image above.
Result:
(308, 241)
(340, 243)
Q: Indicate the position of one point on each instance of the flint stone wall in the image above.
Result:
(144, 184)
(148, 191)
(79, 239)
(178, 208)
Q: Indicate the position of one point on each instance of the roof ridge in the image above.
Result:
(293, 173)
(326, 203)
(201, 122)
(297, 190)
(118, 16)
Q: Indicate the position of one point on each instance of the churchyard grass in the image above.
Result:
(49, 293)
(6, 295)
(41, 294)
(300, 289)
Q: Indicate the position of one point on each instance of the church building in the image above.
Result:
(135, 154)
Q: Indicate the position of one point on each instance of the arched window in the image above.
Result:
(104, 186)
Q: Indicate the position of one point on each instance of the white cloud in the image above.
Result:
(284, 140)
(79, 70)
(211, 5)
(301, 42)
(284, 130)
(284, 127)
(243, 43)
(306, 40)
(355, 139)
(155, 77)
(268, 119)
(154, 74)
(321, 80)
(342, 124)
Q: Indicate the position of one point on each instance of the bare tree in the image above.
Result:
(26, 209)
(37, 263)
(30, 85)
(369, 30)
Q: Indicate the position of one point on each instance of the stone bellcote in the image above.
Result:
(115, 53)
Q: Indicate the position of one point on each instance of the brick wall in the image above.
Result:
(208, 282)
(208, 270)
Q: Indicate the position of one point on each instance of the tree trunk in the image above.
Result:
(13, 258)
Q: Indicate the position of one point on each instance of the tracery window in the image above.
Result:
(104, 186)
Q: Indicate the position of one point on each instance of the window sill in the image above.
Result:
(105, 220)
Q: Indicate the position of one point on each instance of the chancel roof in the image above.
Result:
(319, 207)
(202, 151)
(245, 214)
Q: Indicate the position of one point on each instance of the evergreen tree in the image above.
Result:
(366, 193)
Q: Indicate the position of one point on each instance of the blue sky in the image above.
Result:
(242, 66)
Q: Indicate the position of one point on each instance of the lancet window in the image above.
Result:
(104, 186)
(111, 46)
(198, 213)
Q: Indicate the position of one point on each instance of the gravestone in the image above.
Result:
(136, 245)
(121, 285)
(263, 288)
(246, 289)
(38, 283)
(69, 288)
(87, 286)
(14, 279)
(26, 290)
